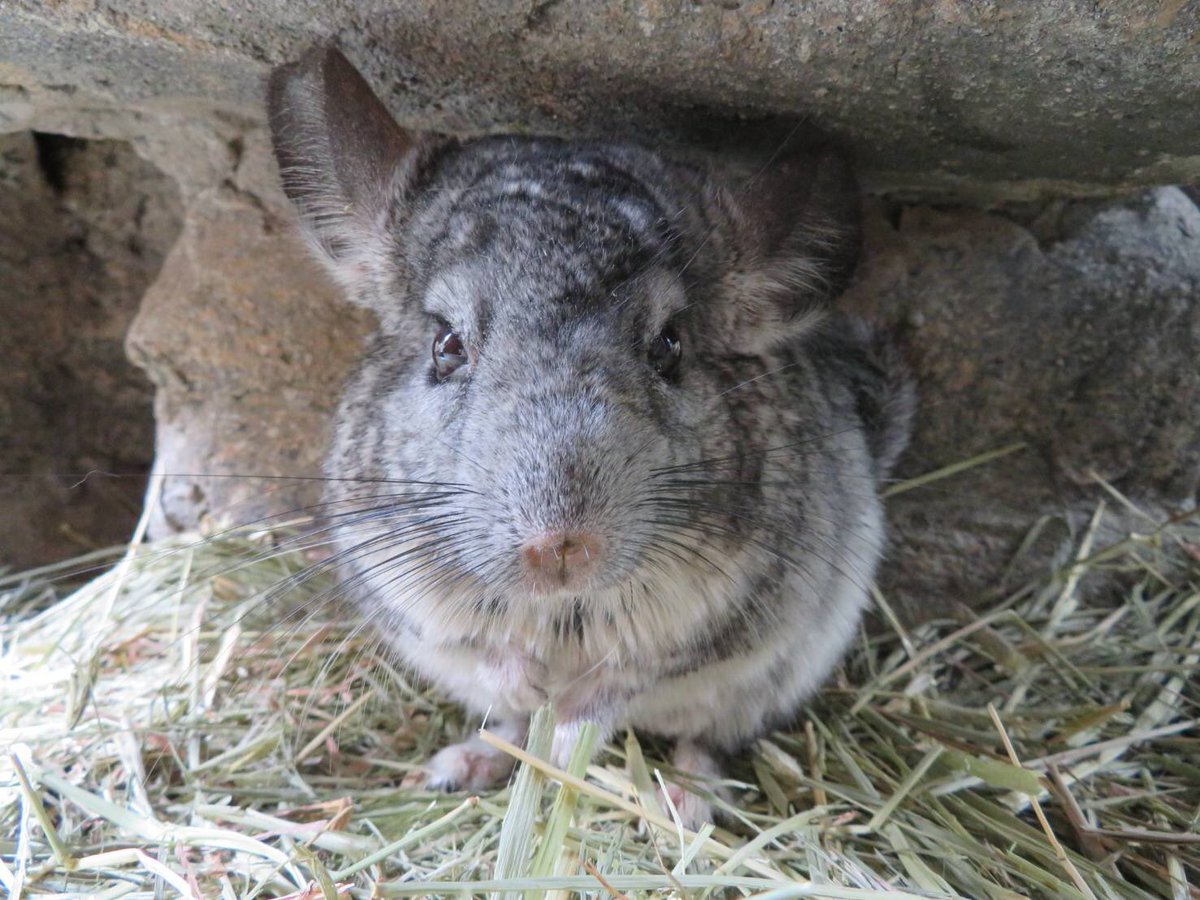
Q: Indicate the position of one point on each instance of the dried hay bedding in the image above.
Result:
(163, 731)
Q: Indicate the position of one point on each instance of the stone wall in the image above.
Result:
(989, 97)
(1075, 333)
(1023, 236)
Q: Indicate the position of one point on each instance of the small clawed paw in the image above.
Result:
(694, 811)
(471, 765)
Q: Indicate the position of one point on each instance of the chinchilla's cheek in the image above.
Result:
(610, 449)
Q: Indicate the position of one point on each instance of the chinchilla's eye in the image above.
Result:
(448, 352)
(665, 351)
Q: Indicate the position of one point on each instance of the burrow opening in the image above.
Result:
(84, 228)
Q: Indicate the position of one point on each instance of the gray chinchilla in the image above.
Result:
(609, 447)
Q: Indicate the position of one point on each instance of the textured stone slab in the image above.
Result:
(1077, 333)
(935, 96)
(247, 346)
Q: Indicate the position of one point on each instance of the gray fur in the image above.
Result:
(737, 498)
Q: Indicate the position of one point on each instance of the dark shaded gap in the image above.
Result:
(84, 228)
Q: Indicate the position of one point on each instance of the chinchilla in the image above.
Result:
(610, 447)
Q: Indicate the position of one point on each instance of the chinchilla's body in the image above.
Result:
(608, 448)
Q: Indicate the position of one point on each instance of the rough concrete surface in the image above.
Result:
(1077, 334)
(247, 346)
(934, 96)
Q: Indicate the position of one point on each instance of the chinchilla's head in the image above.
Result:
(565, 329)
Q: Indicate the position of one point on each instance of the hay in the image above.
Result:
(165, 730)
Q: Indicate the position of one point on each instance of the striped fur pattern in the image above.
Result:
(736, 499)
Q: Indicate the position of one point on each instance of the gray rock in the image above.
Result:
(247, 346)
(1084, 345)
(982, 99)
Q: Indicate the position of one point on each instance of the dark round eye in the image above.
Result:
(665, 351)
(448, 352)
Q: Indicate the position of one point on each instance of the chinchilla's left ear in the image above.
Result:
(796, 239)
(342, 157)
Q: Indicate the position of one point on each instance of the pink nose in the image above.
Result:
(562, 556)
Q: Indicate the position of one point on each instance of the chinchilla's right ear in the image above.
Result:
(343, 159)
